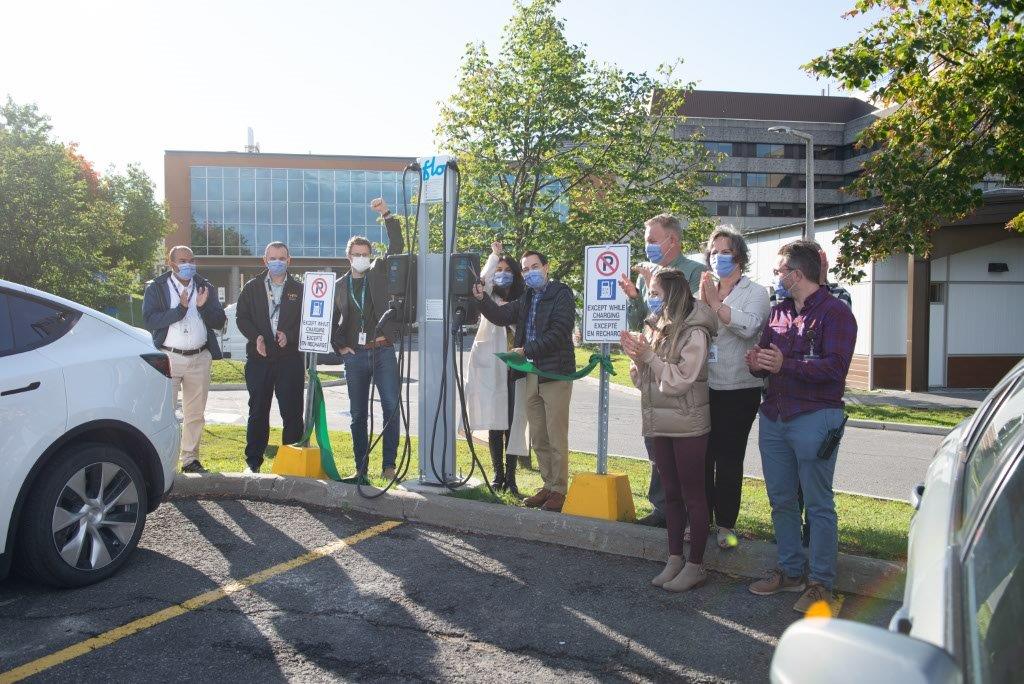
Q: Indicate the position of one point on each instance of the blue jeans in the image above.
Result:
(789, 459)
(386, 378)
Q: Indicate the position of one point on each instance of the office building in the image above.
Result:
(227, 206)
(761, 179)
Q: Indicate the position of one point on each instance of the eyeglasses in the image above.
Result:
(787, 271)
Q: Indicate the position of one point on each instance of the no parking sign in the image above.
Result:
(604, 308)
(317, 312)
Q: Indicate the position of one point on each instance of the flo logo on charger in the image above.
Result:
(432, 177)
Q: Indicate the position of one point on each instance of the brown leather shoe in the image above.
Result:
(538, 499)
(554, 503)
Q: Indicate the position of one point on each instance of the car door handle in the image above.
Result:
(27, 388)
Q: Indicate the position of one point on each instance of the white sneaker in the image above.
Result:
(247, 471)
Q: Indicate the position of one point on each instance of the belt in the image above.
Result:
(376, 344)
(185, 352)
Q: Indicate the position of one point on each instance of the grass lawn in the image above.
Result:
(888, 413)
(619, 361)
(868, 527)
(226, 372)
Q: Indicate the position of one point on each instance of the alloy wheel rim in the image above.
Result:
(95, 516)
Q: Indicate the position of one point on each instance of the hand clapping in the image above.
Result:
(761, 359)
(709, 290)
(634, 346)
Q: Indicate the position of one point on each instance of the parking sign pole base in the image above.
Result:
(607, 497)
(299, 461)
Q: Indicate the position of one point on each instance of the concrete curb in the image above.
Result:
(854, 574)
(899, 427)
(226, 387)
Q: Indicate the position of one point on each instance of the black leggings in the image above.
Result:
(732, 415)
(497, 440)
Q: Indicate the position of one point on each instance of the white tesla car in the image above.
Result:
(88, 437)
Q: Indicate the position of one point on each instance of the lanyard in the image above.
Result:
(360, 303)
(190, 288)
(275, 302)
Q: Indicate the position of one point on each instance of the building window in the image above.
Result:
(937, 293)
(725, 180)
(239, 210)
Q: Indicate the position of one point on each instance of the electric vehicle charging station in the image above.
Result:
(441, 305)
(436, 379)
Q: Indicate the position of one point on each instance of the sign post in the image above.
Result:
(600, 495)
(604, 317)
(314, 338)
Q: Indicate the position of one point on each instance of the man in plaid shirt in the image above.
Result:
(806, 350)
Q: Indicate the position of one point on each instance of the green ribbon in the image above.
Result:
(319, 424)
(518, 363)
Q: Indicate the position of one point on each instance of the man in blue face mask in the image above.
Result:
(181, 309)
(662, 237)
(269, 313)
(544, 317)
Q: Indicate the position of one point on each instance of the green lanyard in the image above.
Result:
(360, 303)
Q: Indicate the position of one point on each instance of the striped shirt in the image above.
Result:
(817, 346)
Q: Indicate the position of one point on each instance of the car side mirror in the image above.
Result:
(839, 651)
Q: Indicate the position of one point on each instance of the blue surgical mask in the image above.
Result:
(781, 291)
(277, 267)
(535, 278)
(503, 278)
(654, 305)
(654, 253)
(187, 271)
(722, 265)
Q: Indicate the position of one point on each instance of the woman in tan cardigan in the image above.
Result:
(669, 366)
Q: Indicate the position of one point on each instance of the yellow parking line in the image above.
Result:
(194, 603)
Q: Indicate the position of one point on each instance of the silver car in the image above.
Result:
(962, 618)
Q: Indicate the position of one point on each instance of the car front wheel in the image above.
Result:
(83, 518)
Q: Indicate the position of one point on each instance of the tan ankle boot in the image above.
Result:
(691, 577)
(672, 568)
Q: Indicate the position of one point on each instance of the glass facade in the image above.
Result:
(765, 209)
(787, 150)
(736, 179)
(237, 211)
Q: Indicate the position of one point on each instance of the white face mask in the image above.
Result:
(360, 263)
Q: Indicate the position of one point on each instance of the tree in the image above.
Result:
(557, 152)
(64, 228)
(955, 70)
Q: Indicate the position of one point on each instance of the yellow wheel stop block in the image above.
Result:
(299, 461)
(607, 497)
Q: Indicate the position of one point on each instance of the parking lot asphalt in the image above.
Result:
(242, 591)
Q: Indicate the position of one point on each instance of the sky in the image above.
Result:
(127, 80)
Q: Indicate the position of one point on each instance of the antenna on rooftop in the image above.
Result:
(252, 146)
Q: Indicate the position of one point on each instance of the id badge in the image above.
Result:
(713, 354)
(362, 339)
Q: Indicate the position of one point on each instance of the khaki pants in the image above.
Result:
(191, 374)
(547, 409)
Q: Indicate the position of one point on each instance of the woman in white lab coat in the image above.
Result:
(494, 402)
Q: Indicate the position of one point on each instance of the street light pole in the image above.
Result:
(808, 175)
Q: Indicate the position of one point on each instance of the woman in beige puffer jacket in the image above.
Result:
(669, 366)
